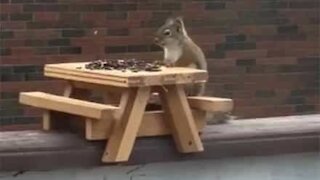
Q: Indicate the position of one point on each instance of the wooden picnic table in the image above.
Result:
(123, 121)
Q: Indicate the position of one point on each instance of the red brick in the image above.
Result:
(69, 16)
(10, 25)
(241, 102)
(277, 60)
(302, 52)
(271, 101)
(248, 29)
(249, 4)
(276, 84)
(226, 70)
(243, 94)
(125, 40)
(66, 58)
(313, 99)
(191, 6)
(288, 44)
(139, 15)
(225, 78)
(45, 16)
(311, 30)
(22, 51)
(269, 78)
(141, 32)
(143, 55)
(300, 19)
(8, 60)
(53, 86)
(299, 13)
(97, 1)
(222, 62)
(13, 43)
(10, 8)
(266, 44)
(93, 49)
(98, 32)
(88, 41)
(48, 34)
(247, 53)
(23, 60)
(149, 6)
(266, 29)
(197, 30)
(29, 111)
(275, 53)
(23, 34)
(94, 16)
(203, 38)
(311, 44)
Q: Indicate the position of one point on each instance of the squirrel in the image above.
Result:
(180, 50)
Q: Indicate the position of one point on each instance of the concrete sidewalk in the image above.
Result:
(304, 166)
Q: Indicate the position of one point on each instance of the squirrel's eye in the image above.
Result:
(167, 32)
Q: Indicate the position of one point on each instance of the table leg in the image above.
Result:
(132, 106)
(48, 118)
(177, 109)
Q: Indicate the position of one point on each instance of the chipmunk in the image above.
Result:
(180, 50)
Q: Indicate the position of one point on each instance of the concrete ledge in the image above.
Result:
(38, 150)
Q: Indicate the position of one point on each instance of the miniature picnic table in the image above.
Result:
(121, 124)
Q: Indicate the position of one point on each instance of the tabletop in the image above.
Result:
(167, 75)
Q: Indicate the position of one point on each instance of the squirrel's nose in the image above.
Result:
(156, 40)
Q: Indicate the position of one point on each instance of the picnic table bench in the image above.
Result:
(123, 116)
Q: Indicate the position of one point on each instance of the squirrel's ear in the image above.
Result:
(179, 23)
(179, 20)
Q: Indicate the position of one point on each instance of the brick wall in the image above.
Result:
(264, 54)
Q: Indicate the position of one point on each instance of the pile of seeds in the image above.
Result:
(124, 65)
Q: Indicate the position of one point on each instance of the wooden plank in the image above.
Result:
(210, 104)
(46, 121)
(205, 103)
(153, 124)
(84, 79)
(67, 105)
(174, 75)
(68, 90)
(125, 130)
(132, 81)
(96, 87)
(181, 119)
(87, 74)
(73, 67)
